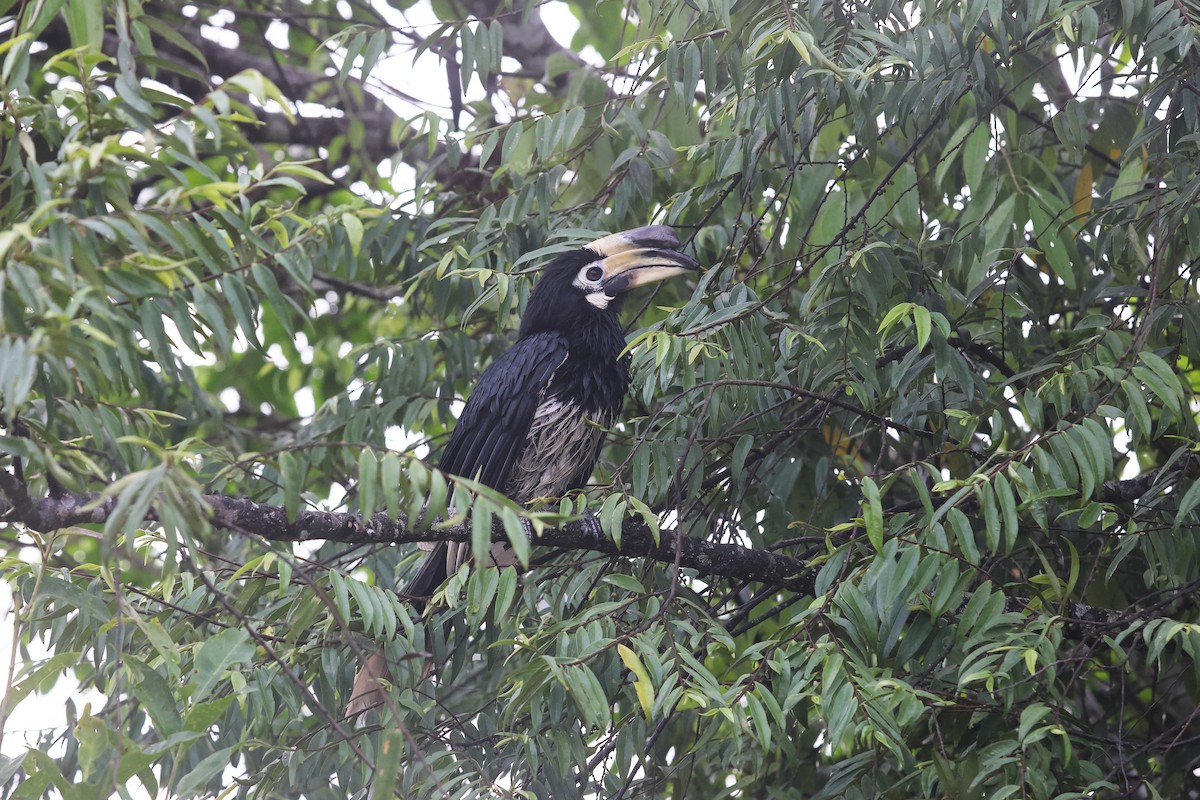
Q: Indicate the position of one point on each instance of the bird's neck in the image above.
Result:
(594, 374)
(593, 335)
(598, 340)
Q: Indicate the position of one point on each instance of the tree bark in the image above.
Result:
(271, 522)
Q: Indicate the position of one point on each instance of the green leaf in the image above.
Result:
(154, 695)
(208, 770)
(216, 657)
(975, 155)
(1169, 381)
(85, 22)
(737, 460)
(506, 590)
(18, 371)
(368, 483)
(612, 517)
(40, 15)
(233, 287)
(873, 514)
(1130, 180)
(923, 322)
(1087, 470)
(1008, 510)
(9, 766)
(366, 607)
(354, 231)
(581, 683)
(1137, 421)
(390, 475)
(895, 315)
(481, 532)
(518, 536)
(370, 54)
(626, 582)
(481, 590)
(134, 492)
(96, 743)
(1165, 392)
(1187, 503)
(762, 728)
(341, 595)
(993, 533)
(200, 717)
(963, 534)
(466, 50)
(387, 763)
(291, 475)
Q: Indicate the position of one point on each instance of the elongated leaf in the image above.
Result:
(224, 651)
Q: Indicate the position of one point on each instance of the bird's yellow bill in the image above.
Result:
(641, 256)
(645, 265)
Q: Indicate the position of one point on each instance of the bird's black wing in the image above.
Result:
(492, 430)
(493, 427)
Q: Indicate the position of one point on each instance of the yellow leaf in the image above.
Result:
(641, 684)
(1081, 201)
(842, 443)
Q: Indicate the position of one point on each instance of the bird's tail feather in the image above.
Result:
(428, 578)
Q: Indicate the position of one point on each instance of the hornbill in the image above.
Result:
(534, 424)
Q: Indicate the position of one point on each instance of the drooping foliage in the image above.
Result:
(943, 355)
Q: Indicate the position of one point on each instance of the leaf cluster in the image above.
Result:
(944, 353)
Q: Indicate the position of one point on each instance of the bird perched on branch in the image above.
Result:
(534, 424)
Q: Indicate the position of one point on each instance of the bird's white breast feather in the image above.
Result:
(560, 439)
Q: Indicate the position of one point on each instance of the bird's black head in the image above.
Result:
(583, 289)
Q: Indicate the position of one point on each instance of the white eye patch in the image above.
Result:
(589, 277)
(588, 280)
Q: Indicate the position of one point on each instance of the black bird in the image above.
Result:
(534, 424)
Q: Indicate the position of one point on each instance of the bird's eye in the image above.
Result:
(594, 274)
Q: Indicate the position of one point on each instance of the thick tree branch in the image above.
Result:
(707, 558)
(271, 522)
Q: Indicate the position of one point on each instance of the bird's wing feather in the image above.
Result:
(492, 430)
